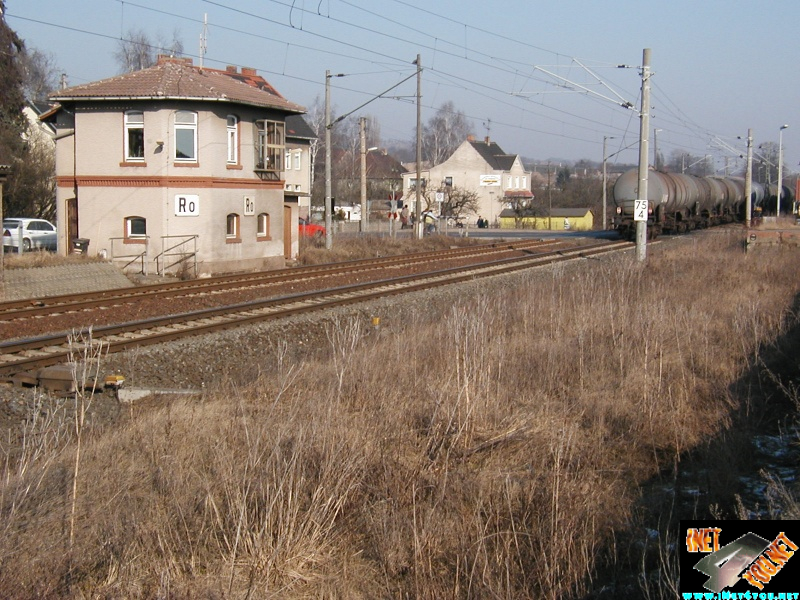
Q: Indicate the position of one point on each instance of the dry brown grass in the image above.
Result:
(313, 252)
(35, 258)
(489, 452)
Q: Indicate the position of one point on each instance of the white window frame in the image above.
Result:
(232, 223)
(298, 160)
(187, 124)
(232, 124)
(129, 222)
(263, 225)
(132, 126)
(270, 146)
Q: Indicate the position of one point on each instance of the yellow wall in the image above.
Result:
(584, 223)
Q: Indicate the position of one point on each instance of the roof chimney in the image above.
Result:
(470, 138)
(249, 71)
(178, 60)
(231, 69)
(487, 140)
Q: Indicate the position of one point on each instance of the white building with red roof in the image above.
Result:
(176, 168)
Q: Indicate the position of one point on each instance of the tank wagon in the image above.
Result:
(678, 203)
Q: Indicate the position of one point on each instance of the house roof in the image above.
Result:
(179, 79)
(494, 155)
(381, 165)
(296, 127)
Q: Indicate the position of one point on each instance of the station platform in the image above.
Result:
(40, 282)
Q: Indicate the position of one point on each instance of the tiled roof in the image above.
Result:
(383, 166)
(494, 155)
(178, 79)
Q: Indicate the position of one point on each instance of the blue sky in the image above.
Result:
(719, 67)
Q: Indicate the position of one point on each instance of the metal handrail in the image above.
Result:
(133, 257)
(183, 255)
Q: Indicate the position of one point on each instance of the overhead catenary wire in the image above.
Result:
(573, 120)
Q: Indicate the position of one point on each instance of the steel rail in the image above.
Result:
(50, 305)
(22, 355)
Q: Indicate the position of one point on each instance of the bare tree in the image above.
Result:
(40, 74)
(458, 203)
(137, 50)
(443, 133)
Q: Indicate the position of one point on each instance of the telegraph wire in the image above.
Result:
(372, 52)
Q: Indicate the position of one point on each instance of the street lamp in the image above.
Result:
(780, 169)
(605, 178)
(364, 223)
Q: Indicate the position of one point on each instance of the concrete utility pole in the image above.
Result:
(748, 180)
(605, 180)
(328, 153)
(418, 187)
(362, 122)
(549, 200)
(644, 129)
(780, 172)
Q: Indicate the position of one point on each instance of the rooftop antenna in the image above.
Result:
(203, 36)
(488, 126)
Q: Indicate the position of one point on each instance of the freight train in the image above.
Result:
(678, 203)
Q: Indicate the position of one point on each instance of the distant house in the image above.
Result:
(39, 131)
(178, 164)
(498, 179)
(298, 173)
(383, 175)
(560, 219)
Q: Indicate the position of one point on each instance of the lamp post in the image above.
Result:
(364, 223)
(780, 171)
(605, 178)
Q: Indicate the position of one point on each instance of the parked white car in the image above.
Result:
(36, 233)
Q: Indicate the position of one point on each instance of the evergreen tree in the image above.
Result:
(30, 189)
(12, 98)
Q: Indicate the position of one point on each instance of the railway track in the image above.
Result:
(42, 307)
(27, 354)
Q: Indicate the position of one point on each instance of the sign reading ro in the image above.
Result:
(187, 205)
(640, 210)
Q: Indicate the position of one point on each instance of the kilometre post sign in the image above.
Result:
(640, 210)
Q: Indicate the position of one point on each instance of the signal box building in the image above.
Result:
(177, 167)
